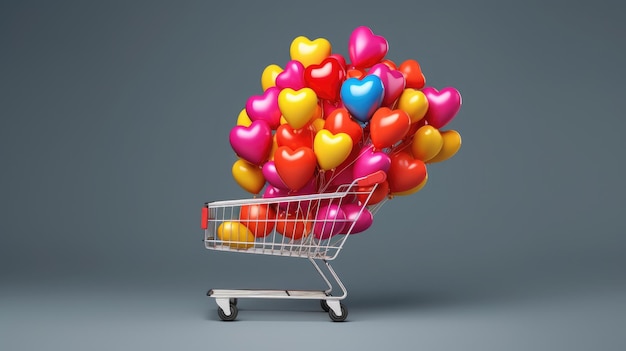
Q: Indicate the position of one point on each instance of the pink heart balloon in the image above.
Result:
(393, 81)
(330, 220)
(443, 105)
(271, 175)
(265, 107)
(292, 76)
(365, 48)
(370, 161)
(329, 106)
(252, 143)
(362, 219)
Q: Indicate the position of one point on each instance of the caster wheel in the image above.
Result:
(324, 305)
(233, 313)
(336, 318)
(234, 301)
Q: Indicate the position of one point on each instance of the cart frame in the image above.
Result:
(313, 247)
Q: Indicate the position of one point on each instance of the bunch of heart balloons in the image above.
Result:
(322, 121)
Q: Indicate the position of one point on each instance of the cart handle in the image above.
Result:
(374, 178)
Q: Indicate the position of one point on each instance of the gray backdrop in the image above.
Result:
(115, 122)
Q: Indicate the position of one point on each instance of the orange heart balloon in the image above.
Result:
(405, 172)
(413, 190)
(339, 121)
(388, 126)
(413, 74)
(294, 138)
(451, 145)
(295, 167)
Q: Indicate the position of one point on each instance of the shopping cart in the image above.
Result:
(308, 227)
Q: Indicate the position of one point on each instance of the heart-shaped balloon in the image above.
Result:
(329, 106)
(272, 192)
(379, 194)
(252, 143)
(340, 59)
(317, 125)
(339, 121)
(243, 119)
(365, 48)
(357, 73)
(362, 97)
(325, 79)
(329, 221)
(248, 176)
(393, 82)
(392, 65)
(427, 143)
(297, 106)
(268, 78)
(331, 149)
(388, 126)
(294, 138)
(265, 107)
(451, 145)
(405, 172)
(413, 102)
(413, 190)
(358, 218)
(292, 76)
(309, 52)
(370, 161)
(443, 105)
(271, 175)
(413, 74)
(295, 167)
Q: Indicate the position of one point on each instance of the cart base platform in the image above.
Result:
(226, 300)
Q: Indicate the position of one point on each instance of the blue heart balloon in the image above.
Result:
(362, 97)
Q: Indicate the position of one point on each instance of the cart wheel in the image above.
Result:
(234, 301)
(324, 305)
(336, 318)
(233, 313)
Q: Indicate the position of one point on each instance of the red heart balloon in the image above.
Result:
(325, 79)
(388, 126)
(413, 74)
(294, 138)
(355, 73)
(405, 172)
(295, 167)
(339, 121)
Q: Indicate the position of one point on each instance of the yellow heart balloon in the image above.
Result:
(235, 235)
(414, 190)
(318, 124)
(244, 119)
(414, 103)
(331, 149)
(268, 78)
(248, 176)
(297, 106)
(451, 145)
(427, 143)
(310, 52)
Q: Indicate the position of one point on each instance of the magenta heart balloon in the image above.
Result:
(365, 48)
(252, 143)
(265, 107)
(292, 76)
(370, 161)
(359, 220)
(271, 175)
(443, 105)
(330, 220)
(393, 81)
